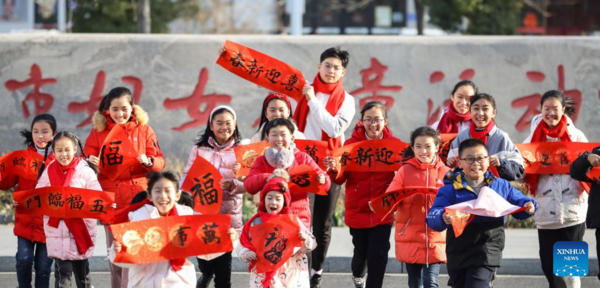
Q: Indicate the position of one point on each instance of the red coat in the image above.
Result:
(133, 180)
(415, 241)
(27, 226)
(362, 187)
(261, 170)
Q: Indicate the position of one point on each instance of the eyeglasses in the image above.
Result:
(470, 159)
(371, 121)
(335, 67)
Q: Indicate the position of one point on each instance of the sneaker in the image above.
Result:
(359, 282)
(315, 281)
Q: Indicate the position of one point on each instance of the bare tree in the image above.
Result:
(143, 16)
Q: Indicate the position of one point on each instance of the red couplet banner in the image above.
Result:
(552, 157)
(204, 182)
(23, 163)
(388, 202)
(274, 242)
(303, 178)
(117, 153)
(371, 155)
(316, 149)
(247, 154)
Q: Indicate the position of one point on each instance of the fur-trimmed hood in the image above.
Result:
(99, 121)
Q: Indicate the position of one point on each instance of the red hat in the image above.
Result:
(277, 182)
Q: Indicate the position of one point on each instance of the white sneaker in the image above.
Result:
(359, 282)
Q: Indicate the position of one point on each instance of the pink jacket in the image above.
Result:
(59, 242)
(223, 158)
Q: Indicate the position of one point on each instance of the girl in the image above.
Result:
(275, 201)
(216, 146)
(562, 201)
(29, 229)
(281, 154)
(161, 201)
(421, 248)
(275, 106)
(70, 241)
(456, 117)
(504, 155)
(117, 108)
(370, 234)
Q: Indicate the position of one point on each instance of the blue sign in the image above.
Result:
(570, 258)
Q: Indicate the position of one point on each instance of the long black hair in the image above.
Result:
(76, 142)
(208, 133)
(27, 134)
(421, 131)
(566, 102)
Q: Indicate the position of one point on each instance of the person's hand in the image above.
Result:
(321, 178)
(447, 218)
(95, 160)
(118, 246)
(529, 208)
(236, 168)
(308, 91)
(302, 236)
(451, 161)
(594, 160)
(330, 163)
(233, 234)
(15, 204)
(494, 161)
(114, 205)
(221, 50)
(144, 160)
(227, 184)
(250, 256)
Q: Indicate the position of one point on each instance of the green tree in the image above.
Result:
(485, 17)
(120, 16)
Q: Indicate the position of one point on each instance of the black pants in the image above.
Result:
(547, 238)
(219, 268)
(472, 277)
(371, 247)
(598, 249)
(323, 208)
(65, 270)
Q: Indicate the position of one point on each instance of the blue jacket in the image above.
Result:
(482, 241)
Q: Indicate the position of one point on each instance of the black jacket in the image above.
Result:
(579, 169)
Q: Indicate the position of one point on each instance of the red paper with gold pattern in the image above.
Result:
(303, 179)
(371, 155)
(262, 70)
(274, 241)
(460, 220)
(117, 154)
(317, 150)
(203, 181)
(23, 163)
(552, 157)
(247, 154)
(172, 237)
(447, 139)
(66, 202)
(386, 203)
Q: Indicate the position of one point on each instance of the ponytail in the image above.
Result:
(76, 141)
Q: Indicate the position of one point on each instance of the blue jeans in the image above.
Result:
(32, 254)
(420, 275)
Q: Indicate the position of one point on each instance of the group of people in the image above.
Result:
(480, 156)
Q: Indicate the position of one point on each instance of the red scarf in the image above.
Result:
(336, 99)
(129, 126)
(61, 176)
(482, 134)
(539, 135)
(450, 120)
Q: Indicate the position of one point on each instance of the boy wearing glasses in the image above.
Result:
(324, 114)
(474, 256)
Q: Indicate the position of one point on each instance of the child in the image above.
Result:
(117, 108)
(161, 201)
(456, 117)
(216, 145)
(29, 229)
(474, 256)
(275, 200)
(282, 154)
(275, 106)
(370, 234)
(70, 241)
(562, 200)
(504, 155)
(421, 248)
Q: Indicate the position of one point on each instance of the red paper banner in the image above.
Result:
(23, 163)
(117, 153)
(317, 150)
(247, 154)
(386, 203)
(274, 242)
(172, 237)
(262, 70)
(445, 145)
(204, 182)
(303, 179)
(66, 202)
(371, 155)
(552, 157)
(460, 220)
(594, 174)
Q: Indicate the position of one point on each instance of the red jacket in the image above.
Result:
(133, 180)
(415, 241)
(261, 170)
(362, 187)
(27, 226)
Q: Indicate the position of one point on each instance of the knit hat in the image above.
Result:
(277, 182)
